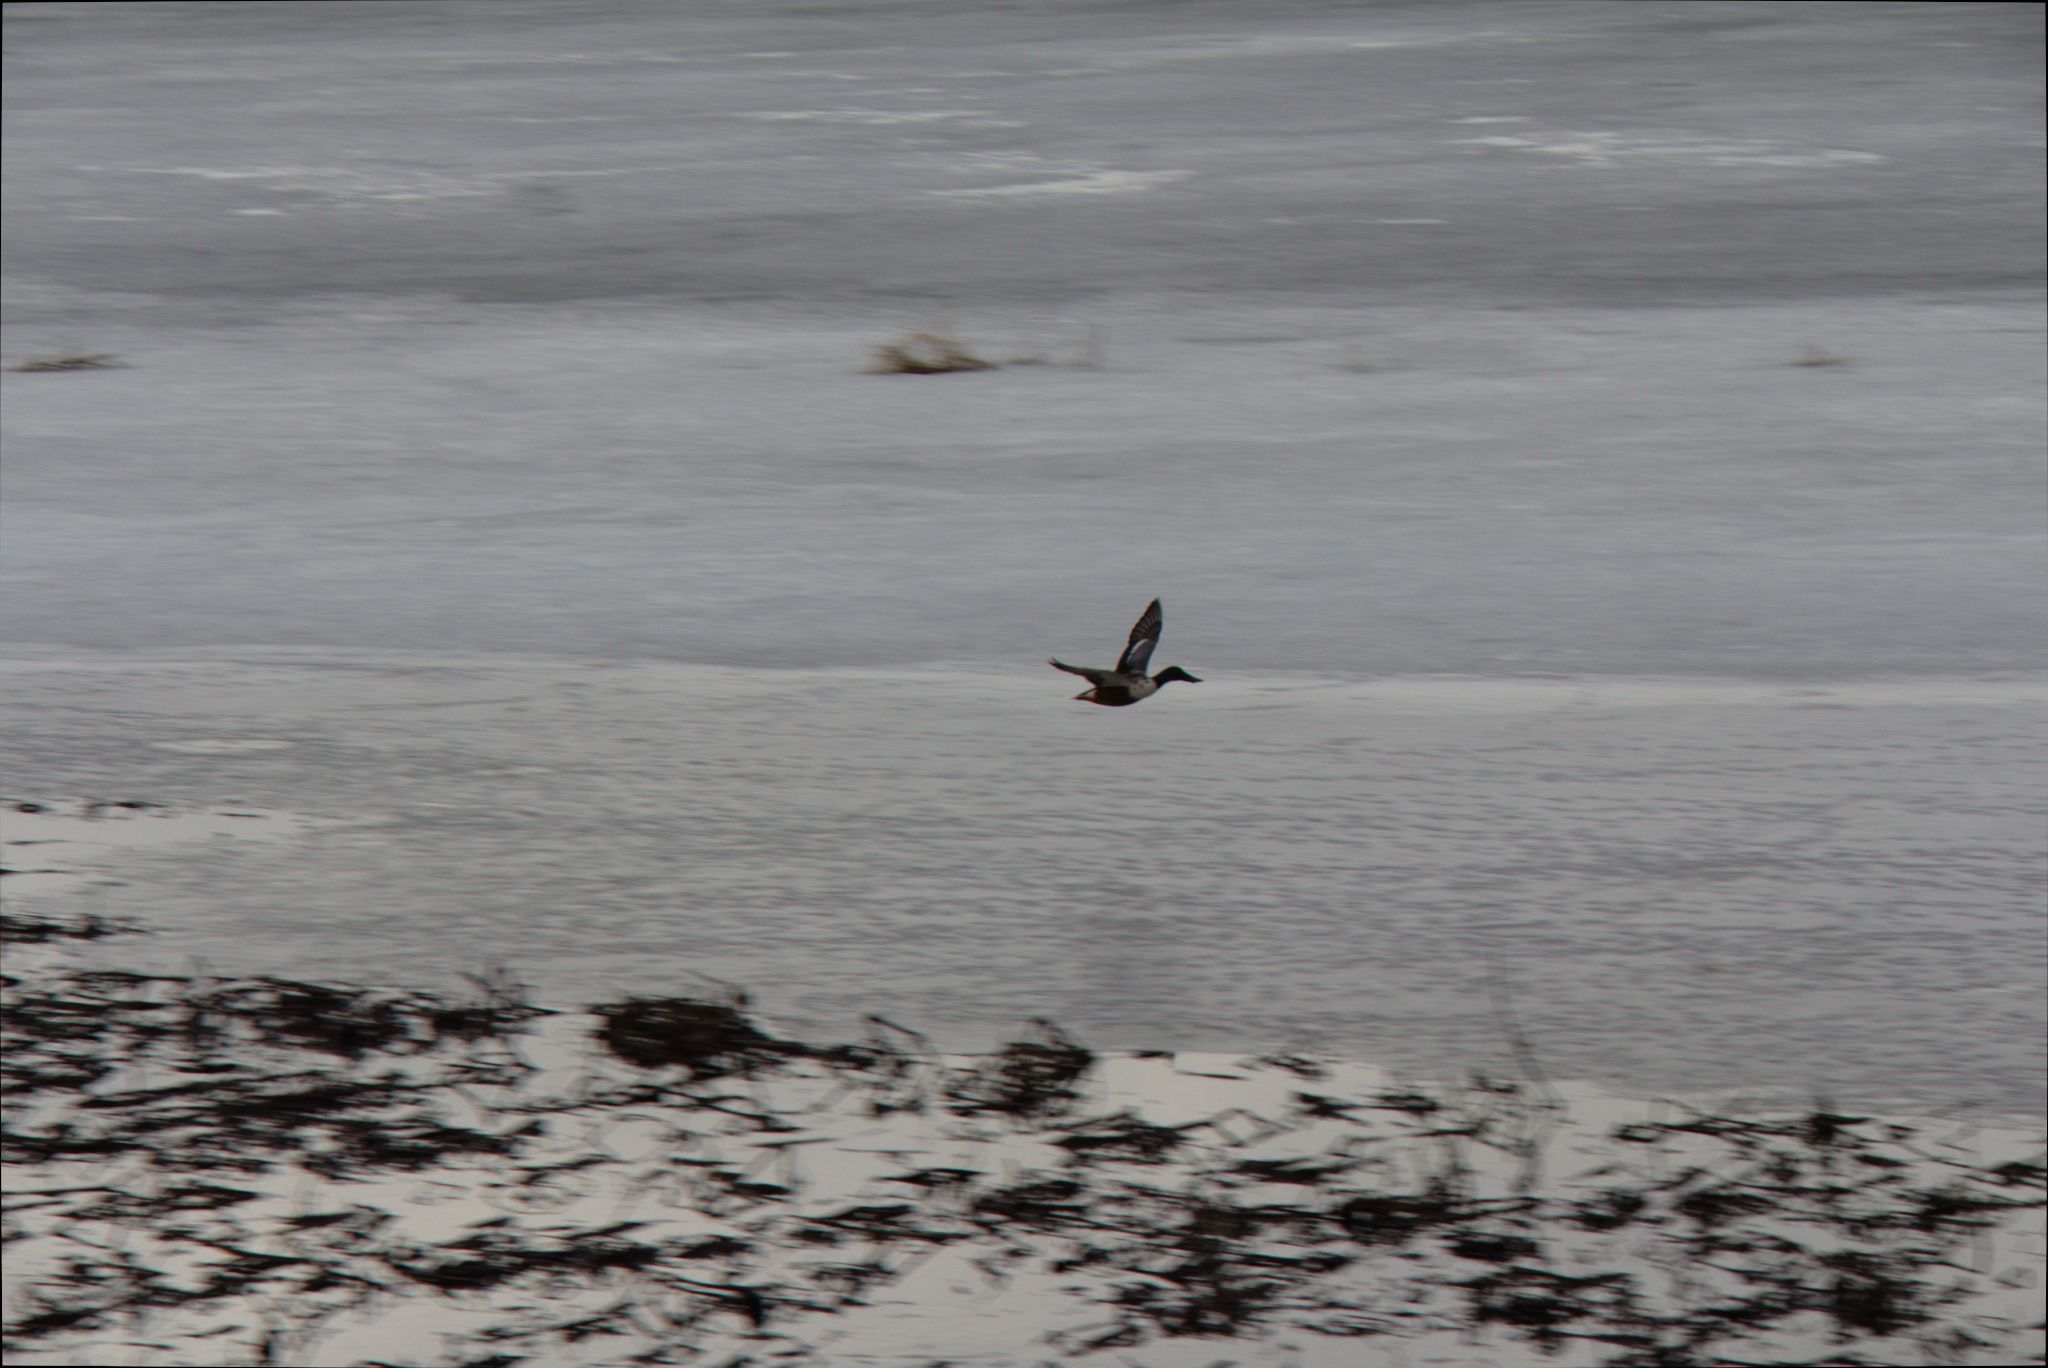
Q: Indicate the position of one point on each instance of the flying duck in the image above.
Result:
(1128, 683)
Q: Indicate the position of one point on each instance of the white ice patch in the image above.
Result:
(223, 745)
(342, 185)
(1616, 149)
(1107, 182)
(1220, 48)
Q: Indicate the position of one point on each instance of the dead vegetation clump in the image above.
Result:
(939, 351)
(1814, 357)
(1025, 1079)
(1359, 362)
(935, 352)
(69, 361)
(710, 1039)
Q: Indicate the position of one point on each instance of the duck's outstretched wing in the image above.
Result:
(1144, 637)
(1096, 677)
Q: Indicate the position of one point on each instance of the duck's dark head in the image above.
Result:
(1171, 673)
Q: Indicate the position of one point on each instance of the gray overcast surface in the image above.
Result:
(1626, 345)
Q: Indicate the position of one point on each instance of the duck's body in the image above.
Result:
(1128, 683)
(1114, 692)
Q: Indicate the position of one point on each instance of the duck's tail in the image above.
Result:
(1092, 676)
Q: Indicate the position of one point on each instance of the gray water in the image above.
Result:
(1593, 452)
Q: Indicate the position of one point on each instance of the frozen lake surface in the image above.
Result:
(1593, 452)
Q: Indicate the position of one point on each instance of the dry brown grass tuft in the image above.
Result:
(69, 361)
(936, 352)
